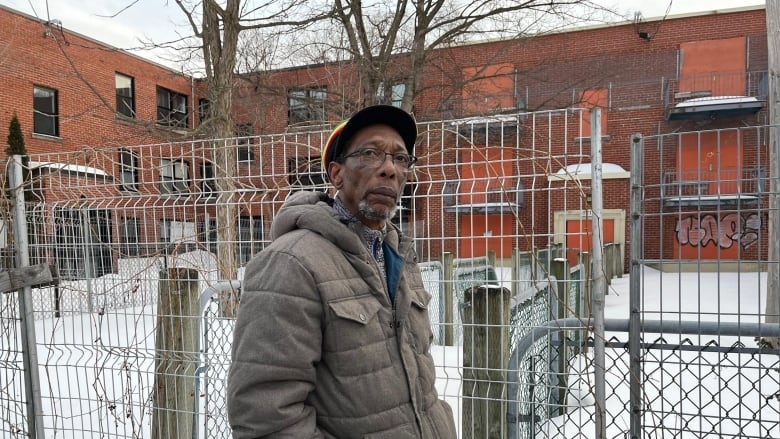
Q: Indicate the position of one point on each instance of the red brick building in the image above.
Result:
(71, 92)
(694, 85)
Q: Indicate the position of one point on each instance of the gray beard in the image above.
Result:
(370, 213)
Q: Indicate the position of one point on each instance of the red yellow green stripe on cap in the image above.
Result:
(329, 145)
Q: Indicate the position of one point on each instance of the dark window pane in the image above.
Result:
(45, 113)
(125, 101)
(128, 163)
(171, 108)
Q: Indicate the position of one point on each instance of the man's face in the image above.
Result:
(371, 193)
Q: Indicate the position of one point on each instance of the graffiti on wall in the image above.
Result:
(731, 229)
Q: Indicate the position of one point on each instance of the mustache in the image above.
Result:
(388, 192)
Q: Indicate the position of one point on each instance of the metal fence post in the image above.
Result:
(30, 351)
(634, 269)
(599, 282)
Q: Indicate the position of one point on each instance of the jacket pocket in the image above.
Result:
(354, 340)
(359, 309)
(404, 431)
(419, 321)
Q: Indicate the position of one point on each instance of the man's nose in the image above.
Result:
(388, 165)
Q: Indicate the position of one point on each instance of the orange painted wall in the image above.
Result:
(484, 172)
(703, 157)
(580, 239)
(715, 235)
(488, 87)
(714, 65)
(594, 98)
(482, 232)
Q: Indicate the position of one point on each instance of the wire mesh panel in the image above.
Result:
(505, 196)
(705, 254)
(13, 419)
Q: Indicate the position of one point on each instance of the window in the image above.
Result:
(250, 237)
(46, 119)
(128, 164)
(306, 105)
(305, 173)
(406, 208)
(208, 184)
(131, 231)
(178, 236)
(489, 88)
(174, 176)
(392, 95)
(207, 234)
(204, 110)
(171, 108)
(125, 95)
(243, 140)
(714, 67)
(589, 99)
(83, 243)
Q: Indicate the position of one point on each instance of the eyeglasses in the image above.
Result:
(373, 158)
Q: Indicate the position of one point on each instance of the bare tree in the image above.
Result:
(217, 26)
(375, 33)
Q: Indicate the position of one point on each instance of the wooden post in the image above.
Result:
(608, 264)
(447, 259)
(29, 276)
(586, 277)
(485, 361)
(176, 354)
(559, 267)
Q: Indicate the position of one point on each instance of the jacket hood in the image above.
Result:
(313, 211)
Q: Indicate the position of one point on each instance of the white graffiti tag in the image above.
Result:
(732, 228)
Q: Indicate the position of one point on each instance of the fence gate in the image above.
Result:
(702, 363)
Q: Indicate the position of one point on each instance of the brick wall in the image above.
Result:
(82, 71)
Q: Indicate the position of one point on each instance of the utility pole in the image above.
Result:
(773, 101)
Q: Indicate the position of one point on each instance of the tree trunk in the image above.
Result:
(220, 43)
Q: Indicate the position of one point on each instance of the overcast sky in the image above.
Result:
(159, 20)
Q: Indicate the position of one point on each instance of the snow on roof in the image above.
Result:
(714, 100)
(64, 167)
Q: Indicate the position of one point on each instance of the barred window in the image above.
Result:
(128, 164)
(131, 232)
(84, 243)
(305, 173)
(174, 177)
(171, 108)
(306, 105)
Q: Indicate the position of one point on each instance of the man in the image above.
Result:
(332, 337)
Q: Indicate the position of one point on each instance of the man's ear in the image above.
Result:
(334, 174)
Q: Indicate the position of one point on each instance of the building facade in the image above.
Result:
(504, 125)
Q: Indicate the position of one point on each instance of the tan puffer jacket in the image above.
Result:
(319, 351)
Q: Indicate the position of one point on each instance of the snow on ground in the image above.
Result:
(106, 387)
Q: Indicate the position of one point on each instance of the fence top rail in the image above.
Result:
(740, 329)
